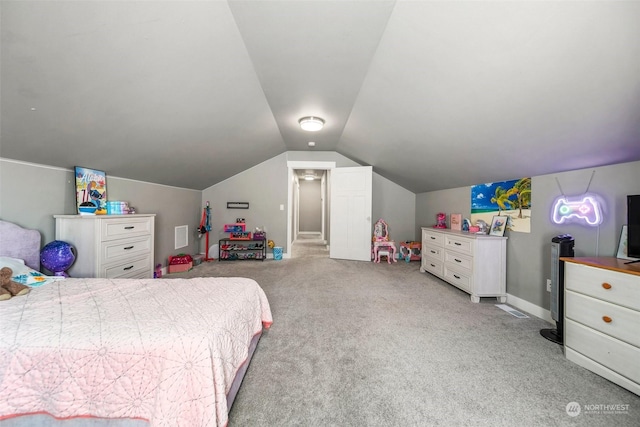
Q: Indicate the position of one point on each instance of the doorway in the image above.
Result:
(310, 214)
(308, 217)
(346, 217)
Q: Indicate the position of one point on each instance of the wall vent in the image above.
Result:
(182, 236)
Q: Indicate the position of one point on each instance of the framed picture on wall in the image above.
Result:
(498, 225)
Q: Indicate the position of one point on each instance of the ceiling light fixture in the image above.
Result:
(309, 177)
(311, 123)
(312, 144)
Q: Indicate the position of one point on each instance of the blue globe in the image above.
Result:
(57, 257)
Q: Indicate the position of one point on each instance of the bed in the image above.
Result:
(158, 352)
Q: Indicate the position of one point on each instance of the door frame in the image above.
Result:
(292, 166)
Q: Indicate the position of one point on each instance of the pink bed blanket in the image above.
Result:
(162, 350)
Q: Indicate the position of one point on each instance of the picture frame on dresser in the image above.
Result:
(90, 189)
(456, 221)
(498, 225)
(622, 245)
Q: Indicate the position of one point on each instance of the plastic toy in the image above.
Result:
(57, 257)
(441, 220)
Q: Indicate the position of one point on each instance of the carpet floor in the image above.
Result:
(363, 344)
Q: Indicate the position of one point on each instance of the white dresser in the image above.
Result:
(109, 246)
(475, 263)
(602, 318)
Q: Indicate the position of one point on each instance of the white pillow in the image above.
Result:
(24, 274)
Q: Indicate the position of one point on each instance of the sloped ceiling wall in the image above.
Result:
(432, 94)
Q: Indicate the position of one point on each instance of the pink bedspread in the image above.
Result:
(162, 350)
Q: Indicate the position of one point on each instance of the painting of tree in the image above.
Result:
(511, 198)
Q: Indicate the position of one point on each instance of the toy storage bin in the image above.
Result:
(180, 263)
(234, 228)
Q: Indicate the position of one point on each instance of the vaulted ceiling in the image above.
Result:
(432, 94)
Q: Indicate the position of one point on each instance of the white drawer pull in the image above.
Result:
(606, 285)
(607, 319)
(128, 268)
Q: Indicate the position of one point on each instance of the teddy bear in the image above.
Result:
(9, 288)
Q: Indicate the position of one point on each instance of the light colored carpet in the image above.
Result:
(364, 344)
(309, 245)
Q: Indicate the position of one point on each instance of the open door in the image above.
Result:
(350, 213)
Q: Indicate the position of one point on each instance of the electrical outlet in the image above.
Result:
(548, 285)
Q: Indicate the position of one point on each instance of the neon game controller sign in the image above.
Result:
(582, 209)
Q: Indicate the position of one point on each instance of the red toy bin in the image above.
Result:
(180, 263)
(240, 236)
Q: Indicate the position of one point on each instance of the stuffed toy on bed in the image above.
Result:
(9, 288)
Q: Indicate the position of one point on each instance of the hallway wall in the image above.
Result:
(310, 206)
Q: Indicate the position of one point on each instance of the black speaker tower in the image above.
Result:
(561, 246)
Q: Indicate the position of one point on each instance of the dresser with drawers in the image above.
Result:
(475, 263)
(109, 246)
(602, 318)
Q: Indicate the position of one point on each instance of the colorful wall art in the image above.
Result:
(507, 198)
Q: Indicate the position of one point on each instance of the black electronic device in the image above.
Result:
(561, 246)
(633, 227)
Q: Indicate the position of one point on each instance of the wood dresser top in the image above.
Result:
(606, 262)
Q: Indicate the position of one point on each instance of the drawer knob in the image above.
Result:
(606, 285)
(607, 319)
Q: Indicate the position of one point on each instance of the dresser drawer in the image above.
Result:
(125, 227)
(461, 261)
(611, 319)
(459, 244)
(433, 266)
(125, 248)
(434, 252)
(457, 278)
(432, 238)
(130, 268)
(611, 286)
(616, 355)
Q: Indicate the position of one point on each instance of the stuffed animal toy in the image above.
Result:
(9, 288)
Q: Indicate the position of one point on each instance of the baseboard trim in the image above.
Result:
(530, 308)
